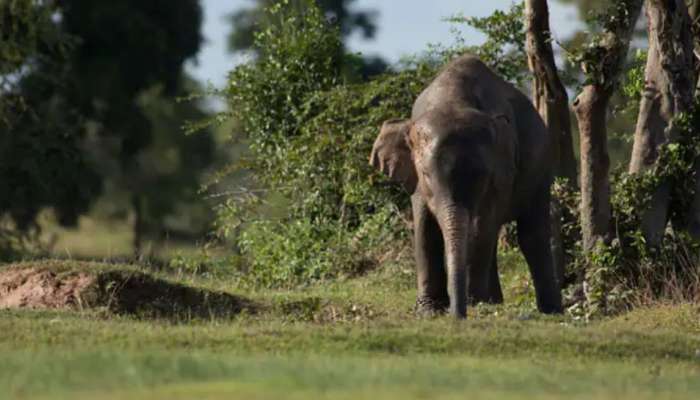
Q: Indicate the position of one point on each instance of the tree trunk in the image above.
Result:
(693, 223)
(552, 102)
(668, 91)
(138, 225)
(695, 10)
(695, 18)
(549, 94)
(602, 66)
(591, 108)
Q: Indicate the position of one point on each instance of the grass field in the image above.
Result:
(352, 339)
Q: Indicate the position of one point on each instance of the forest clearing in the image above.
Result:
(229, 200)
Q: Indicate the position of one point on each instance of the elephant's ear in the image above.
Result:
(392, 155)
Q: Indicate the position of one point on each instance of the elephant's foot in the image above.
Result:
(551, 306)
(429, 307)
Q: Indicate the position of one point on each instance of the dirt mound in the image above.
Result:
(121, 292)
(30, 288)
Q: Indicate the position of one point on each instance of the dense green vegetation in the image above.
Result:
(336, 216)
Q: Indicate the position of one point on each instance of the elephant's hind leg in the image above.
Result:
(534, 239)
(495, 292)
(430, 262)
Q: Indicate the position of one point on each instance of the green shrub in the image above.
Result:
(309, 136)
(334, 200)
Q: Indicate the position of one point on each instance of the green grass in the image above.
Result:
(97, 238)
(162, 375)
(352, 339)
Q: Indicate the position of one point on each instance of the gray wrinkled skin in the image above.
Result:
(475, 155)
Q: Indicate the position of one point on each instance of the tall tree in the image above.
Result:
(169, 171)
(126, 48)
(602, 63)
(668, 92)
(694, 12)
(552, 102)
(693, 222)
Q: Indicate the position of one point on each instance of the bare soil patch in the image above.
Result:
(32, 288)
(121, 292)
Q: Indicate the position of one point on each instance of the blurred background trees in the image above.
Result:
(90, 107)
(41, 161)
(126, 81)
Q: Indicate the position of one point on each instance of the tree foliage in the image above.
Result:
(504, 48)
(125, 48)
(126, 80)
(89, 102)
(41, 162)
(627, 267)
(247, 22)
(171, 169)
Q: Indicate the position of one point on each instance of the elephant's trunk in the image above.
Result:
(454, 225)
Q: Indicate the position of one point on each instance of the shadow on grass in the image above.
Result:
(117, 289)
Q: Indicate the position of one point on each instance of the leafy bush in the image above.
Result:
(304, 150)
(633, 85)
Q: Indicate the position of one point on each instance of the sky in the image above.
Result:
(403, 30)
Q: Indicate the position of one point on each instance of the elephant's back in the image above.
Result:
(464, 82)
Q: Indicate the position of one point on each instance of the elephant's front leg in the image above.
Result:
(430, 262)
(484, 283)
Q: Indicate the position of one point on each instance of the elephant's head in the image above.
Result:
(462, 164)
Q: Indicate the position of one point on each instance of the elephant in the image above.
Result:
(474, 155)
